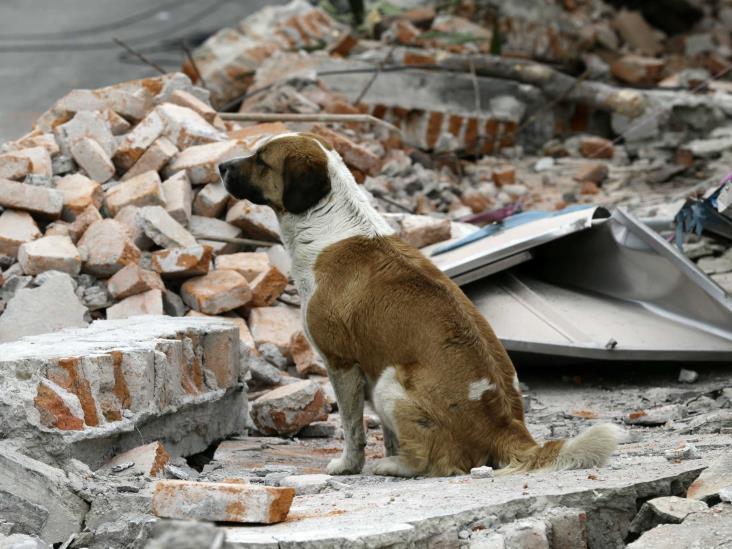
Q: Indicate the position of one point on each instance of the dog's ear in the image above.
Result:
(306, 182)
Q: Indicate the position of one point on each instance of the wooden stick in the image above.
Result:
(319, 117)
(242, 241)
(140, 56)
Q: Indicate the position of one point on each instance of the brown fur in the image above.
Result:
(380, 303)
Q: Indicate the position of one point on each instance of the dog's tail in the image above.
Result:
(592, 448)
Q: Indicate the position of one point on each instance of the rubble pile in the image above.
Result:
(153, 365)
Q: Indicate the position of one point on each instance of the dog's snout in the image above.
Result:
(223, 168)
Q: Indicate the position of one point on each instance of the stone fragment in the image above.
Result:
(245, 336)
(216, 292)
(40, 161)
(117, 124)
(568, 527)
(637, 70)
(226, 502)
(318, 429)
(688, 376)
(13, 166)
(183, 262)
(16, 228)
(504, 175)
(249, 264)
(149, 459)
(353, 154)
(596, 147)
(287, 409)
(304, 356)
(52, 510)
(129, 217)
(664, 510)
(637, 33)
(258, 222)
(530, 533)
(687, 451)
(656, 416)
(725, 494)
(48, 308)
(481, 472)
(83, 221)
(589, 187)
(146, 303)
(267, 287)
(50, 253)
(79, 192)
(208, 226)
(263, 373)
(135, 143)
(143, 190)
(275, 325)
(173, 304)
(184, 99)
(211, 200)
(704, 529)
(423, 230)
(42, 201)
(106, 247)
(186, 128)
(592, 171)
(178, 197)
(162, 229)
(714, 478)
(715, 265)
(86, 125)
(91, 157)
(131, 280)
(201, 162)
(306, 484)
(154, 158)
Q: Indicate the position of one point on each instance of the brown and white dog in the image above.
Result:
(393, 328)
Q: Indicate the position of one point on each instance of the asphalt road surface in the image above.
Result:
(48, 47)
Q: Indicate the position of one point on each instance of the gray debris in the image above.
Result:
(688, 376)
(687, 451)
(481, 472)
(664, 510)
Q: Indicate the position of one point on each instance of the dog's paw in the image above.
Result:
(344, 466)
(393, 466)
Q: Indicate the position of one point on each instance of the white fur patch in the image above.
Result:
(387, 392)
(516, 384)
(477, 388)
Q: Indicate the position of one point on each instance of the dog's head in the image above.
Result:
(289, 174)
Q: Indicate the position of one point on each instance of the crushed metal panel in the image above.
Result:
(617, 291)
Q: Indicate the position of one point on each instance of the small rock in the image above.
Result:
(481, 472)
(688, 376)
(423, 230)
(286, 410)
(272, 354)
(664, 510)
(50, 253)
(306, 360)
(274, 325)
(149, 459)
(183, 262)
(596, 147)
(146, 303)
(318, 429)
(162, 229)
(715, 265)
(255, 221)
(543, 164)
(306, 484)
(688, 451)
(725, 494)
(656, 416)
(248, 264)
(106, 248)
(216, 292)
(263, 373)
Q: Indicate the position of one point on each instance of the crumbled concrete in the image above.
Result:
(162, 229)
(288, 409)
(711, 528)
(664, 510)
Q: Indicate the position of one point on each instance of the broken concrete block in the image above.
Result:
(211, 200)
(154, 158)
(13, 166)
(42, 201)
(89, 125)
(258, 222)
(656, 416)
(423, 230)
(50, 253)
(716, 477)
(39, 159)
(146, 303)
(481, 472)
(596, 147)
(228, 502)
(178, 197)
(275, 325)
(162, 229)
(201, 162)
(136, 142)
(267, 287)
(306, 484)
(143, 190)
(263, 373)
(186, 128)
(568, 527)
(48, 506)
(687, 451)
(216, 292)
(245, 336)
(530, 533)
(248, 264)
(79, 192)
(117, 124)
(208, 226)
(16, 228)
(304, 356)
(353, 154)
(173, 304)
(106, 247)
(131, 280)
(149, 459)
(184, 99)
(91, 157)
(287, 409)
(48, 308)
(128, 216)
(664, 510)
(637, 70)
(183, 262)
(82, 222)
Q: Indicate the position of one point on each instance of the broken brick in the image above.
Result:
(216, 292)
(106, 247)
(274, 325)
(142, 190)
(30, 198)
(146, 303)
(50, 253)
(162, 229)
(154, 158)
(16, 228)
(353, 154)
(248, 264)
(131, 280)
(185, 127)
(183, 262)
(596, 147)
(92, 158)
(211, 200)
(149, 459)
(79, 193)
(504, 175)
(135, 143)
(287, 409)
(267, 287)
(184, 99)
(178, 197)
(303, 355)
(258, 222)
(201, 162)
(592, 171)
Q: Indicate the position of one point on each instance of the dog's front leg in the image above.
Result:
(391, 442)
(349, 385)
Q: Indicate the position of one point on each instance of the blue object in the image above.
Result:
(508, 223)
